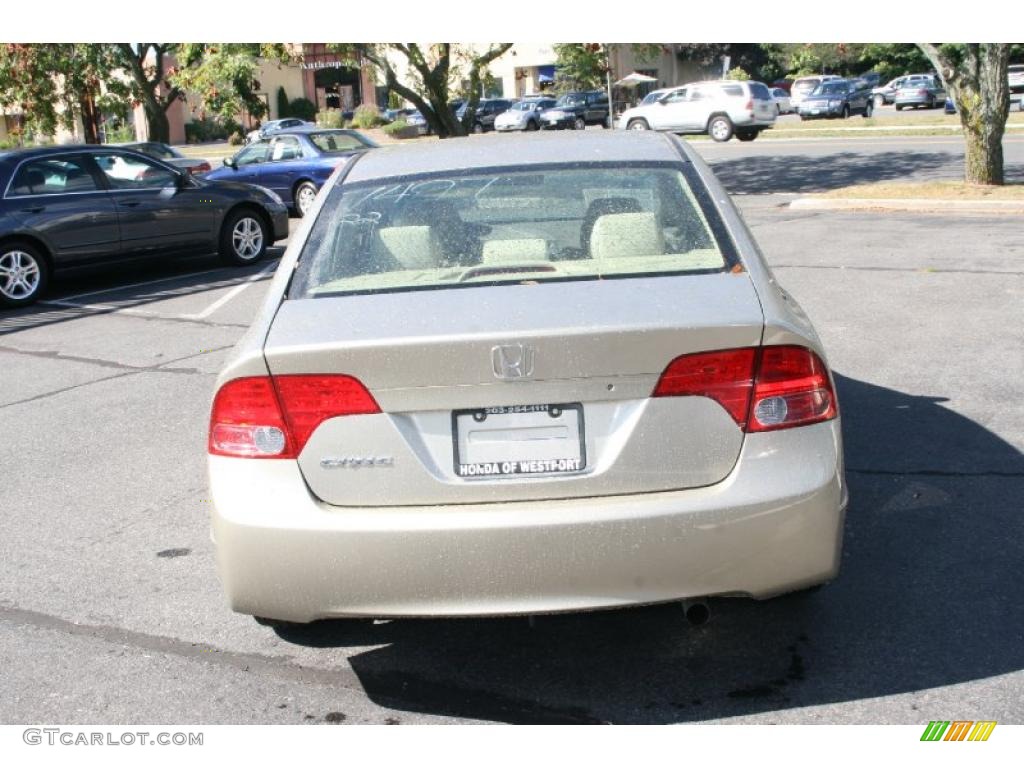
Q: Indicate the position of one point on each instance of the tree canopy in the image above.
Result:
(429, 75)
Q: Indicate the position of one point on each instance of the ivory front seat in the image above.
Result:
(414, 247)
(621, 235)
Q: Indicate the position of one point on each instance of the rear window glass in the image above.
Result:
(336, 142)
(805, 85)
(759, 91)
(831, 88)
(443, 231)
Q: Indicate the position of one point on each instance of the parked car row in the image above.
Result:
(72, 207)
(836, 97)
(293, 163)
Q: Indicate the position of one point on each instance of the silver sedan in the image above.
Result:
(545, 374)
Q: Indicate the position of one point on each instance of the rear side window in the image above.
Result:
(52, 176)
(760, 91)
(459, 230)
(733, 90)
(336, 142)
(130, 172)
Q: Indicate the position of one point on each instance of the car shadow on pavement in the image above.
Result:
(132, 287)
(928, 596)
(772, 174)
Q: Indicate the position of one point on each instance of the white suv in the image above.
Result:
(721, 108)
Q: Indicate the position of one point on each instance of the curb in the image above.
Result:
(909, 204)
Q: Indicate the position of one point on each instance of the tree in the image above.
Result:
(430, 70)
(976, 76)
(56, 84)
(223, 76)
(282, 102)
(148, 70)
(580, 66)
(585, 66)
(761, 62)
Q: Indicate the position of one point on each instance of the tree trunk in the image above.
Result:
(979, 87)
(90, 119)
(157, 124)
(983, 139)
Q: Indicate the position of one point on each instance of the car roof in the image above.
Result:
(468, 154)
(309, 128)
(62, 149)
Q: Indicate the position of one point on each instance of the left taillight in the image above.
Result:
(201, 168)
(263, 417)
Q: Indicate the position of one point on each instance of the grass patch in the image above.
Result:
(928, 190)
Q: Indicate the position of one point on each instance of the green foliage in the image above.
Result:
(428, 75)
(302, 108)
(283, 106)
(222, 76)
(122, 134)
(891, 60)
(329, 118)
(737, 73)
(366, 117)
(397, 128)
(86, 87)
(580, 66)
(206, 129)
(395, 100)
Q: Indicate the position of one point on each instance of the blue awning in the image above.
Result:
(546, 73)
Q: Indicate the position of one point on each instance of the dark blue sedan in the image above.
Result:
(293, 163)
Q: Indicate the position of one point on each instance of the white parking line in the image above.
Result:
(232, 294)
(137, 285)
(102, 308)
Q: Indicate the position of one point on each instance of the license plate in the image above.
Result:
(507, 441)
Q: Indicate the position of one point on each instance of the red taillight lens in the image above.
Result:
(201, 168)
(725, 376)
(246, 420)
(792, 388)
(310, 400)
(762, 389)
(261, 417)
(750, 105)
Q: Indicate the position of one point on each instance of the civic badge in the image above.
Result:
(512, 361)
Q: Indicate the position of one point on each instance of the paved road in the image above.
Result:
(110, 608)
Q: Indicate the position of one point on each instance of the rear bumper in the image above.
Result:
(773, 525)
(917, 101)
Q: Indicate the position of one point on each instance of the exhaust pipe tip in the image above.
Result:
(697, 612)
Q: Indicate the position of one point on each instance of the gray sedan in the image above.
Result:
(545, 374)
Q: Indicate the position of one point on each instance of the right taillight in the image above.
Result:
(762, 388)
(791, 388)
(260, 417)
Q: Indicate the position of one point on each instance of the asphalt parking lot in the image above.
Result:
(110, 609)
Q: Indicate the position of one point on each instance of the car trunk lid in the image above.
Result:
(553, 379)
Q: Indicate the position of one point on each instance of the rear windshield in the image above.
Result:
(550, 223)
(759, 91)
(806, 85)
(830, 87)
(336, 142)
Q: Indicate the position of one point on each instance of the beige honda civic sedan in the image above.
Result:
(524, 375)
